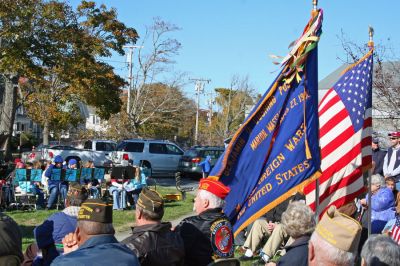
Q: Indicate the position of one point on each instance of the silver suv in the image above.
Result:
(159, 155)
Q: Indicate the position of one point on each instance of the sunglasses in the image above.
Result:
(393, 138)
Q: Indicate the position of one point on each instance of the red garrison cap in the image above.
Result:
(215, 187)
(395, 134)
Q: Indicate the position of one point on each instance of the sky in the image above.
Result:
(223, 38)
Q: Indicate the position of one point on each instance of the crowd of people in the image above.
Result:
(50, 192)
(83, 233)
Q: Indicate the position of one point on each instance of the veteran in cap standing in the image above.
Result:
(335, 240)
(391, 164)
(152, 241)
(93, 242)
(208, 235)
(378, 157)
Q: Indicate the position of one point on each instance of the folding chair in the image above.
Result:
(25, 201)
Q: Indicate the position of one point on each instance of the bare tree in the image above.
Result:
(233, 103)
(386, 80)
(144, 104)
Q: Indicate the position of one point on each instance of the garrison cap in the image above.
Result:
(95, 210)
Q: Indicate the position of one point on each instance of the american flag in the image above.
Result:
(395, 234)
(345, 117)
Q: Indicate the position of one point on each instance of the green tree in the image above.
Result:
(59, 51)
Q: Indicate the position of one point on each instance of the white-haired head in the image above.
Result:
(206, 200)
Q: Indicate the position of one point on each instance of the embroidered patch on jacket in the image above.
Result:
(222, 238)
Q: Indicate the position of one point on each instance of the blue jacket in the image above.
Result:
(52, 183)
(137, 184)
(382, 209)
(54, 228)
(206, 164)
(296, 253)
(99, 250)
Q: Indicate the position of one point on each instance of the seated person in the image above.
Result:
(11, 242)
(44, 182)
(152, 241)
(53, 185)
(391, 184)
(298, 222)
(33, 187)
(268, 226)
(335, 240)
(72, 164)
(382, 201)
(118, 192)
(135, 186)
(22, 187)
(93, 242)
(380, 250)
(50, 233)
(93, 185)
(202, 243)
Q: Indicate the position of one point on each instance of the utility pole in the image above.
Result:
(199, 87)
(129, 60)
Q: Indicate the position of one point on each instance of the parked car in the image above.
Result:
(189, 163)
(97, 151)
(159, 155)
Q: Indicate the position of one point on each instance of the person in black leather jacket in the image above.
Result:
(208, 235)
(152, 241)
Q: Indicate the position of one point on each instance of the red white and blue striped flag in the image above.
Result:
(345, 118)
(395, 233)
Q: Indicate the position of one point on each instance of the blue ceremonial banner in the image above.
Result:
(275, 151)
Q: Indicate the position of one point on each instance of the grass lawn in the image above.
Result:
(122, 220)
(255, 259)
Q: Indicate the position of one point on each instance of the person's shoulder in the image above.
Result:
(190, 219)
(188, 224)
(134, 238)
(122, 251)
(67, 259)
(382, 151)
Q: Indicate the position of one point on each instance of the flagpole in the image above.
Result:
(315, 9)
(314, 12)
(367, 175)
